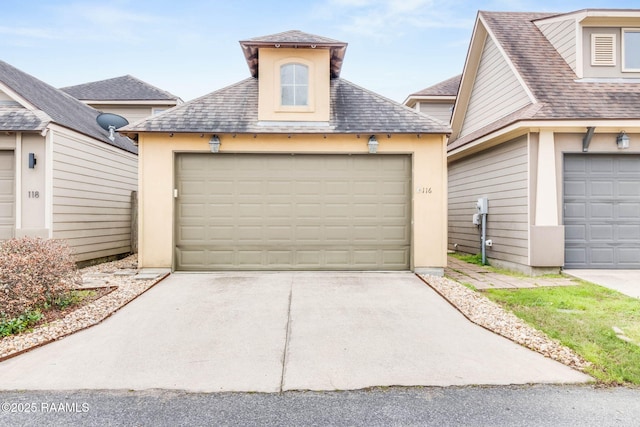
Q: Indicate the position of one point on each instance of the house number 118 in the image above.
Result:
(33, 194)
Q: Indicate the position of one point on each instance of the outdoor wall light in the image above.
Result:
(32, 160)
(373, 144)
(622, 140)
(214, 144)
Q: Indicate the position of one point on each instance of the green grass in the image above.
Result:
(471, 259)
(582, 317)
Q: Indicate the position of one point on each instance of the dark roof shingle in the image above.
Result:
(234, 109)
(55, 106)
(124, 88)
(552, 81)
(447, 87)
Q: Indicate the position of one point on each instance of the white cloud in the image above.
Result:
(386, 19)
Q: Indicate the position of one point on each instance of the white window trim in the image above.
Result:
(310, 107)
(598, 58)
(624, 69)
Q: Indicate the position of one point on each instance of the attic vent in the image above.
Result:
(603, 49)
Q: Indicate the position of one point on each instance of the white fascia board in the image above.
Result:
(556, 126)
(462, 100)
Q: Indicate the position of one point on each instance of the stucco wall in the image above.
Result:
(156, 184)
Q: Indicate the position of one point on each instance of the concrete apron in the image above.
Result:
(271, 332)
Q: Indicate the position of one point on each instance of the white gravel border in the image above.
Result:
(128, 288)
(477, 308)
(484, 312)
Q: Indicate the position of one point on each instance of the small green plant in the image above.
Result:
(68, 299)
(19, 324)
(471, 259)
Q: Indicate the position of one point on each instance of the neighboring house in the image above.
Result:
(437, 100)
(60, 175)
(126, 96)
(280, 171)
(547, 126)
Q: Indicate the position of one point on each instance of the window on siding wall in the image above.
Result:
(603, 49)
(631, 49)
(294, 84)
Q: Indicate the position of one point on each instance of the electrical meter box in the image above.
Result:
(483, 206)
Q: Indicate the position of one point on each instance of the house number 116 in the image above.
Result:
(33, 194)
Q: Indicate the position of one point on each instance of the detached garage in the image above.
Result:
(293, 168)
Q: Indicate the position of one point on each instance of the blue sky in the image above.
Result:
(190, 48)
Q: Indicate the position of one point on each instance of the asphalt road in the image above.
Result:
(542, 405)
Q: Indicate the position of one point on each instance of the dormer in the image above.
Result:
(294, 70)
(597, 43)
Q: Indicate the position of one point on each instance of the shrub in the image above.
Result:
(33, 271)
(20, 323)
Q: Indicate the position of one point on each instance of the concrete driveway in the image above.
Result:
(623, 281)
(270, 332)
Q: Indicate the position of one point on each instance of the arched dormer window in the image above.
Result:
(294, 84)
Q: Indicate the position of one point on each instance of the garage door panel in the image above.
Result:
(7, 195)
(602, 256)
(628, 257)
(602, 211)
(575, 188)
(629, 188)
(601, 188)
(599, 210)
(293, 212)
(629, 232)
(575, 210)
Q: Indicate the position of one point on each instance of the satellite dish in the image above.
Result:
(111, 122)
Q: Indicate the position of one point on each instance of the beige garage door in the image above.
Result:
(300, 212)
(7, 194)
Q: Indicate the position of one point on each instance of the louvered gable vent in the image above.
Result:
(603, 49)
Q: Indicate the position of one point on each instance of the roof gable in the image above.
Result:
(56, 106)
(234, 109)
(551, 81)
(124, 88)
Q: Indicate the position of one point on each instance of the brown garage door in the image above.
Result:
(7, 194)
(298, 212)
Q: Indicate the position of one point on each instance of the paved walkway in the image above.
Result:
(483, 278)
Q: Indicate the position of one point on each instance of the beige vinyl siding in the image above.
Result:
(92, 185)
(497, 91)
(132, 114)
(440, 110)
(562, 35)
(501, 175)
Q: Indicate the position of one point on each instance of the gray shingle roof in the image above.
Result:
(17, 119)
(124, 88)
(552, 81)
(55, 106)
(554, 85)
(234, 109)
(294, 39)
(448, 87)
